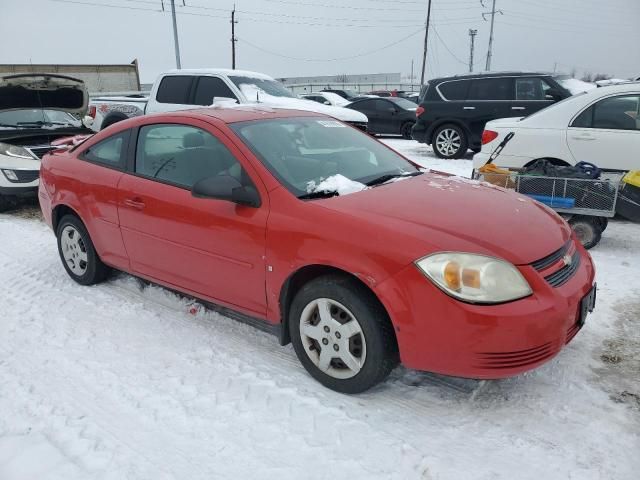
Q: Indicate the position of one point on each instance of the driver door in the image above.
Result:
(209, 248)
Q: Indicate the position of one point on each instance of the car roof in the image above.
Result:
(218, 71)
(489, 75)
(239, 113)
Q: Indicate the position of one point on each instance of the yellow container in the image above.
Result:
(632, 178)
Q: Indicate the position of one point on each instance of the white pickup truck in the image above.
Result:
(192, 88)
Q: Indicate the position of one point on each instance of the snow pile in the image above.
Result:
(336, 183)
(576, 86)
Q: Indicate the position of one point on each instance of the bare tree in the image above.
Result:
(587, 77)
(342, 78)
(601, 76)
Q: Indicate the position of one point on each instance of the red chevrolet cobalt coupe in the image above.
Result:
(310, 228)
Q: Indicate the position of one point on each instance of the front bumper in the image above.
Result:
(19, 188)
(439, 334)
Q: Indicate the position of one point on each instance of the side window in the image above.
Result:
(529, 88)
(109, 152)
(367, 105)
(174, 89)
(585, 119)
(456, 90)
(210, 87)
(617, 113)
(182, 155)
(490, 89)
(384, 106)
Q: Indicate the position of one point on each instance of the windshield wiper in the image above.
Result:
(320, 194)
(390, 176)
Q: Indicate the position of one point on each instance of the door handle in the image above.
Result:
(583, 137)
(469, 108)
(136, 203)
(517, 108)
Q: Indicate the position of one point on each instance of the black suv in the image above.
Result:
(454, 110)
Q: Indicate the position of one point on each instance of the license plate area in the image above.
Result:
(587, 304)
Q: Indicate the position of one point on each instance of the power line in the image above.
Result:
(348, 7)
(370, 52)
(455, 57)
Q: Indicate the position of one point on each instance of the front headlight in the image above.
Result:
(475, 278)
(15, 151)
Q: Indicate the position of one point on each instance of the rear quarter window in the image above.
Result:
(455, 90)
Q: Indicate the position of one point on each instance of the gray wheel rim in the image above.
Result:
(74, 250)
(332, 338)
(448, 141)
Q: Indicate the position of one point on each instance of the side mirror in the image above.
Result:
(87, 121)
(226, 187)
(553, 94)
(327, 102)
(223, 100)
(392, 110)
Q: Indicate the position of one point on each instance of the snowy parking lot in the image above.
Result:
(129, 381)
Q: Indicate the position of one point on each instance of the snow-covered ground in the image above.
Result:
(126, 381)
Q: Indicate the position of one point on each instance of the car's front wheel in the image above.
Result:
(450, 141)
(405, 131)
(77, 252)
(341, 334)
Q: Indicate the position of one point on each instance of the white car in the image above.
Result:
(601, 127)
(192, 88)
(326, 98)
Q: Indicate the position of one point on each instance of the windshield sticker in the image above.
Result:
(330, 124)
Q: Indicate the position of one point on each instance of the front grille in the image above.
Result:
(563, 275)
(517, 358)
(25, 176)
(551, 259)
(40, 151)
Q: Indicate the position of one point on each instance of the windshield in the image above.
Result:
(403, 103)
(304, 153)
(37, 118)
(251, 86)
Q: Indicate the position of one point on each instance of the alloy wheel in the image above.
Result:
(332, 338)
(74, 250)
(448, 142)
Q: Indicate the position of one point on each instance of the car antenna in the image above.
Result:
(258, 96)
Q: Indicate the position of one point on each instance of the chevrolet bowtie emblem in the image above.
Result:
(567, 260)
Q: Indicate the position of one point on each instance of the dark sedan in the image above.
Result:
(390, 115)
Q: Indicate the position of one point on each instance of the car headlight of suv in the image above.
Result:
(475, 278)
(15, 151)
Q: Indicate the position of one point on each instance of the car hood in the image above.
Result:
(344, 114)
(43, 90)
(436, 212)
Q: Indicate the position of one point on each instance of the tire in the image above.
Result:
(604, 223)
(77, 252)
(357, 332)
(405, 130)
(7, 203)
(111, 120)
(587, 229)
(450, 141)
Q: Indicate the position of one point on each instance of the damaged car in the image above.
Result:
(38, 113)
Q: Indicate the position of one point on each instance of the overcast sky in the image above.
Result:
(589, 35)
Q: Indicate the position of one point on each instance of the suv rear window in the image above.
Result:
(490, 89)
(456, 90)
(174, 89)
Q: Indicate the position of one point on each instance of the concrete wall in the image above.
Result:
(98, 78)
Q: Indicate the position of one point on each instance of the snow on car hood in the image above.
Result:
(43, 90)
(439, 212)
(345, 114)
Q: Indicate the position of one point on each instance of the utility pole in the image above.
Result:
(426, 38)
(233, 37)
(493, 16)
(175, 33)
(472, 36)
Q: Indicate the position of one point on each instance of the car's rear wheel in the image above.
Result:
(450, 141)
(405, 131)
(77, 252)
(341, 334)
(587, 229)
